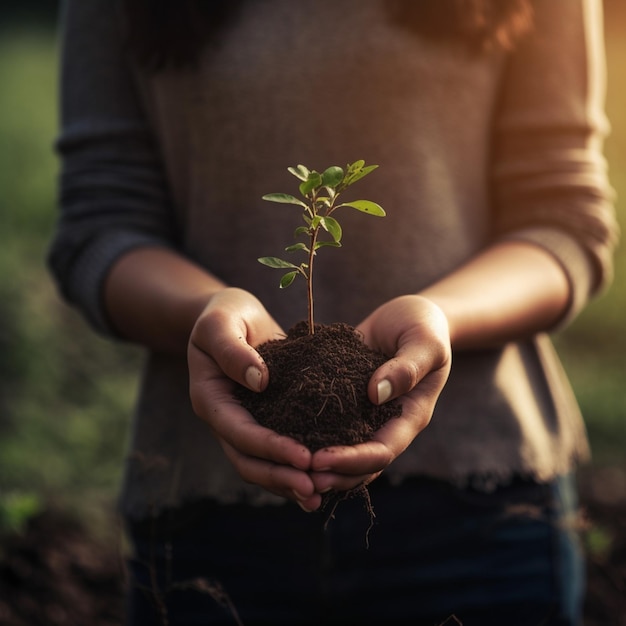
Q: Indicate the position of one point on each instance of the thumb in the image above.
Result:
(234, 358)
(220, 344)
(423, 355)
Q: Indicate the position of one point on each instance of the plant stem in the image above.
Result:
(309, 281)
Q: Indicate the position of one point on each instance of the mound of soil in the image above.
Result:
(56, 573)
(317, 392)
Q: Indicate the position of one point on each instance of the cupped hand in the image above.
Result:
(414, 331)
(221, 351)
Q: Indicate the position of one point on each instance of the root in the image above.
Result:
(215, 590)
(331, 394)
(333, 499)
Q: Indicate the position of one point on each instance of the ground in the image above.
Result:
(603, 496)
(56, 573)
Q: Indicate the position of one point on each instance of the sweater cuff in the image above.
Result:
(576, 264)
(86, 283)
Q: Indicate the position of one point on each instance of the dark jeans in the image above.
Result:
(507, 558)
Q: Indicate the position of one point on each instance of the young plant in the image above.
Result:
(321, 199)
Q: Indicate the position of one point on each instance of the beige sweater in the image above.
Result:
(471, 149)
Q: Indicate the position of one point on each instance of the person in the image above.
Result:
(486, 119)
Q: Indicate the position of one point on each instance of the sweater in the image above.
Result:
(472, 148)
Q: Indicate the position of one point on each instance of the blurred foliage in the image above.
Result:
(16, 508)
(38, 11)
(66, 395)
(593, 348)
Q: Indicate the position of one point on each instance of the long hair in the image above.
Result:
(482, 24)
(164, 33)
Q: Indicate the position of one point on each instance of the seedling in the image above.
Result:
(320, 193)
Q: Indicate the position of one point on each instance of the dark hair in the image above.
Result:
(164, 33)
(482, 24)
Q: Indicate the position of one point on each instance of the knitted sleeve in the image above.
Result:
(550, 178)
(112, 194)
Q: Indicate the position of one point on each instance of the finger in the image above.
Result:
(309, 504)
(416, 333)
(281, 480)
(234, 426)
(357, 461)
(212, 400)
(227, 331)
(327, 481)
(253, 440)
(229, 349)
(413, 363)
(387, 443)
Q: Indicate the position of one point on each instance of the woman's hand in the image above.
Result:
(221, 351)
(415, 331)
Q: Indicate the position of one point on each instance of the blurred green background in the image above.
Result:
(66, 394)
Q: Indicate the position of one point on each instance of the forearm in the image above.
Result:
(153, 296)
(510, 291)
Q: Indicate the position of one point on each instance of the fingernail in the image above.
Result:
(384, 391)
(299, 498)
(253, 378)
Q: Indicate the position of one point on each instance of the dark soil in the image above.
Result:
(317, 392)
(56, 574)
(603, 498)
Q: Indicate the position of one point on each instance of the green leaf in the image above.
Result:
(313, 181)
(332, 176)
(287, 279)
(301, 230)
(331, 225)
(332, 244)
(283, 198)
(358, 174)
(355, 167)
(315, 222)
(366, 206)
(322, 201)
(275, 262)
(296, 246)
(300, 172)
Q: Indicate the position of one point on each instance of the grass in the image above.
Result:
(66, 394)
